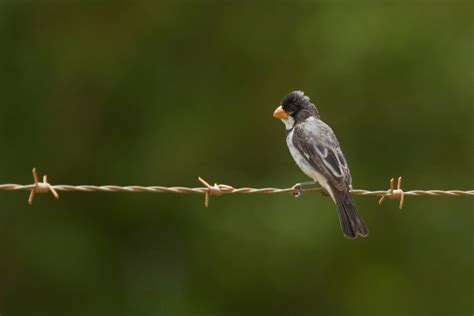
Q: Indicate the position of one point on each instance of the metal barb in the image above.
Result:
(40, 187)
(211, 190)
(393, 193)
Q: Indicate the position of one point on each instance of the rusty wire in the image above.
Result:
(217, 190)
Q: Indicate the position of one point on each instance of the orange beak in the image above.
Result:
(280, 113)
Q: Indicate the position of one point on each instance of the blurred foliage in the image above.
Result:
(152, 92)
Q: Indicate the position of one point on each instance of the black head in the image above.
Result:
(299, 106)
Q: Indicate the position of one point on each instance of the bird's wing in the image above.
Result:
(318, 144)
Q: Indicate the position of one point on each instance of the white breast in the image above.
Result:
(305, 166)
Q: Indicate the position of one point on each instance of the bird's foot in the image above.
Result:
(298, 188)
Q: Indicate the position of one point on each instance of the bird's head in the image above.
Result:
(295, 108)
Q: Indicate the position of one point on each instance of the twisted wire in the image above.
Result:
(224, 188)
(217, 190)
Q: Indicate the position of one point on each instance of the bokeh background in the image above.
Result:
(159, 93)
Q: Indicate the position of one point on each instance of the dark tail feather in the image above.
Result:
(351, 222)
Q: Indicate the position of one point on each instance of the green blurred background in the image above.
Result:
(158, 93)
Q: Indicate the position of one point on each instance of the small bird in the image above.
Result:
(316, 150)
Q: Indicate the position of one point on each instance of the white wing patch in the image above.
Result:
(341, 159)
(332, 163)
(322, 151)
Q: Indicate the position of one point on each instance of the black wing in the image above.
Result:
(318, 144)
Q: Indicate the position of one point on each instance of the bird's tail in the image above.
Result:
(352, 223)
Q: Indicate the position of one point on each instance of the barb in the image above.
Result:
(217, 190)
(41, 187)
(394, 194)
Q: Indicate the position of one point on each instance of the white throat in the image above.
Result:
(289, 123)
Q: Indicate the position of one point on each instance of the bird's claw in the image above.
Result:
(297, 191)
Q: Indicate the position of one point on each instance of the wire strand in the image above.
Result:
(217, 190)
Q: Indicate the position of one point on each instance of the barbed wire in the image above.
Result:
(219, 189)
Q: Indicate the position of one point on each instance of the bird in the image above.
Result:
(316, 150)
